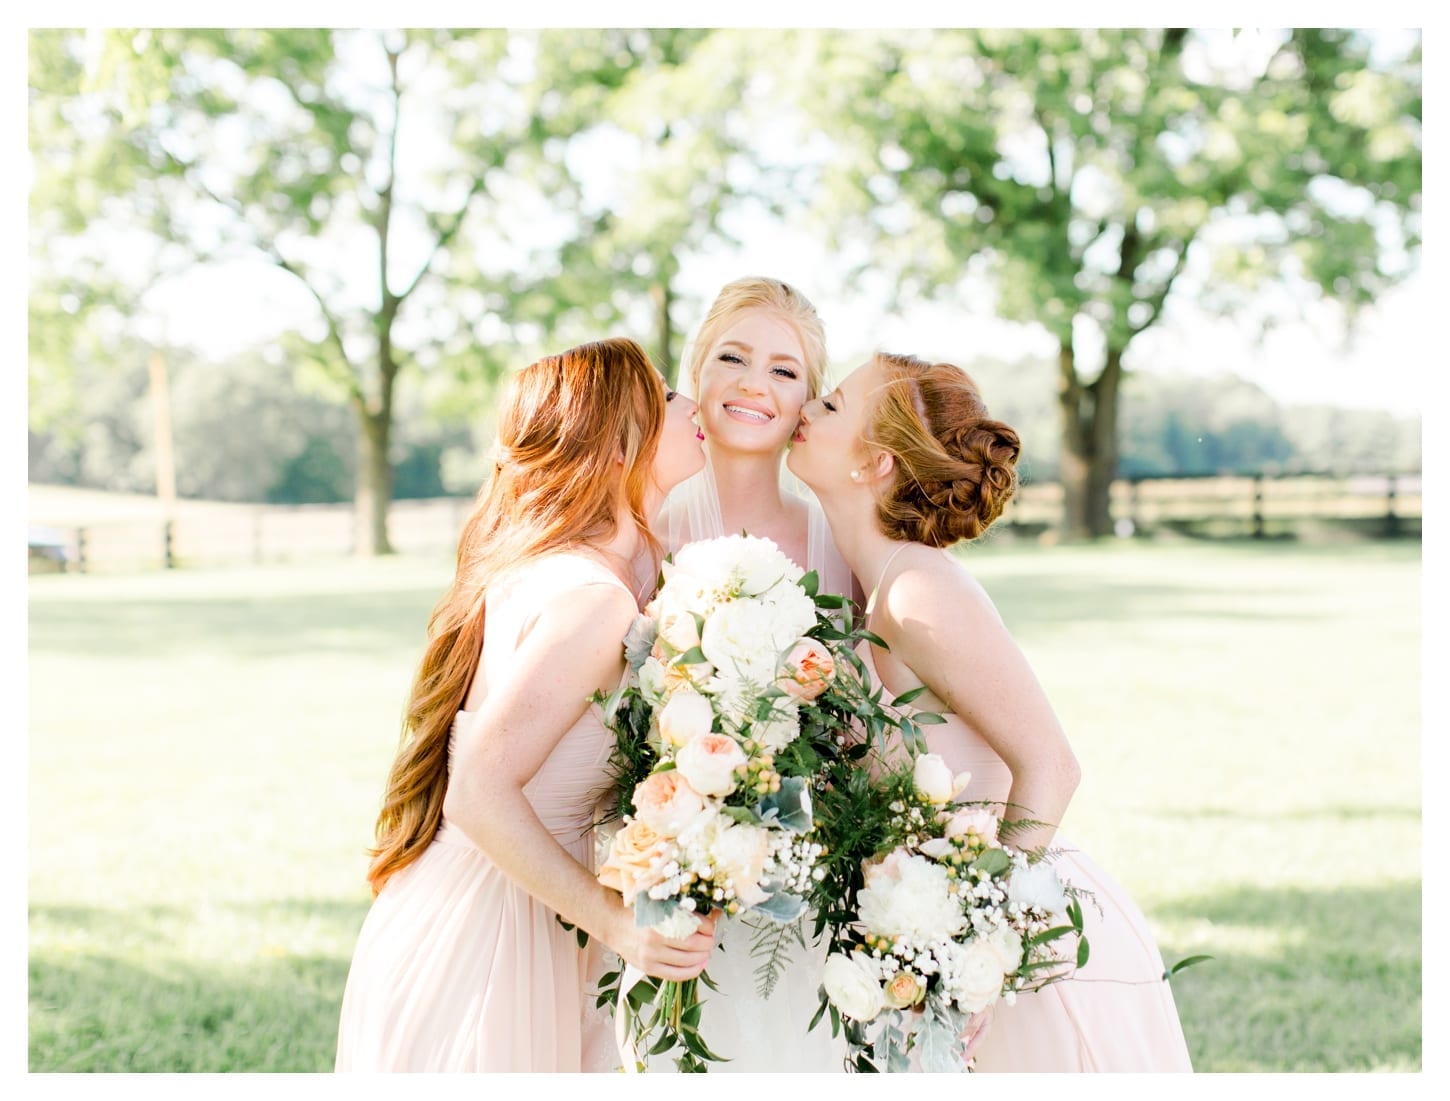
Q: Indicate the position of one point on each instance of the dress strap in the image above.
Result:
(871, 600)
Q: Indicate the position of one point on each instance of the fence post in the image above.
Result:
(168, 544)
(1135, 504)
(1392, 520)
(81, 550)
(1258, 506)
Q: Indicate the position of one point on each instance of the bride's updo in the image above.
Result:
(956, 467)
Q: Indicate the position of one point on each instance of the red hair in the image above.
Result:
(563, 424)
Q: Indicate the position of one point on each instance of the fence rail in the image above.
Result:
(205, 534)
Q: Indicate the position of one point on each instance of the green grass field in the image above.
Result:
(207, 751)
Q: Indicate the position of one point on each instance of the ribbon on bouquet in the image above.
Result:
(628, 1053)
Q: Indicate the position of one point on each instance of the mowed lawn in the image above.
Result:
(207, 749)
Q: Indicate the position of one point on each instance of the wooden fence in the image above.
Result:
(206, 534)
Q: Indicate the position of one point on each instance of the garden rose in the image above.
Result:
(904, 990)
(934, 780)
(852, 987)
(807, 670)
(973, 820)
(666, 803)
(709, 762)
(680, 630)
(979, 975)
(636, 860)
(685, 717)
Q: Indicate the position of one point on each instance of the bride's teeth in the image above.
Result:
(748, 412)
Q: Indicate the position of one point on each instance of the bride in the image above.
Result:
(758, 357)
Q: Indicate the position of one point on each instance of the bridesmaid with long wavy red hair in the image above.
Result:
(485, 834)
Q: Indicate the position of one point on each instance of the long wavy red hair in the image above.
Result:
(557, 482)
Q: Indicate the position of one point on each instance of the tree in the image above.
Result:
(361, 165)
(1087, 170)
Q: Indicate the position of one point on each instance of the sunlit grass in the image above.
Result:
(207, 751)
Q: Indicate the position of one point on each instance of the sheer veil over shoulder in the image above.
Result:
(756, 1032)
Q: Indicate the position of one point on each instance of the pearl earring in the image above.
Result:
(855, 475)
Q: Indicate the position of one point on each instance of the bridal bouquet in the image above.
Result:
(946, 919)
(729, 713)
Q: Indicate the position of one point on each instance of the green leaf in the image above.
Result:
(1082, 953)
(992, 861)
(1181, 964)
(909, 695)
(810, 582)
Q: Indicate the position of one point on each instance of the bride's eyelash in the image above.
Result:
(786, 372)
(730, 357)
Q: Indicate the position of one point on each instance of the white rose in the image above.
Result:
(1037, 887)
(852, 988)
(976, 976)
(709, 762)
(934, 779)
(1007, 944)
(686, 716)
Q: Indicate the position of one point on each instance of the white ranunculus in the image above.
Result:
(685, 717)
(739, 851)
(909, 895)
(977, 976)
(709, 762)
(934, 779)
(1037, 887)
(852, 988)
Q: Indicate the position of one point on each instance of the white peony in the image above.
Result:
(742, 564)
(1006, 943)
(685, 717)
(934, 779)
(1037, 887)
(746, 639)
(852, 988)
(909, 895)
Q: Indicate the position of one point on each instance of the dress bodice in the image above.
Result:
(566, 791)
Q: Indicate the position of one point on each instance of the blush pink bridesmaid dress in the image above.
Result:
(457, 967)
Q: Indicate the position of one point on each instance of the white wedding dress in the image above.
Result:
(758, 1033)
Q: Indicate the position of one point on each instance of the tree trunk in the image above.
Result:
(1089, 416)
(374, 484)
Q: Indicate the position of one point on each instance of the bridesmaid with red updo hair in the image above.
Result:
(906, 462)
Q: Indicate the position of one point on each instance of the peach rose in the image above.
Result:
(636, 860)
(709, 763)
(904, 990)
(666, 803)
(807, 670)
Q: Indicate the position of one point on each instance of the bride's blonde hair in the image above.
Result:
(557, 482)
(758, 292)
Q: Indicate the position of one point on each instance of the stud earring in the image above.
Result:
(855, 475)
